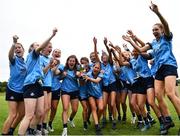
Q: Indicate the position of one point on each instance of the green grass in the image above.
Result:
(122, 129)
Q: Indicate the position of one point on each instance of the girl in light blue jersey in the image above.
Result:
(33, 94)
(109, 85)
(70, 91)
(124, 60)
(141, 66)
(14, 93)
(56, 87)
(164, 67)
(125, 89)
(83, 91)
(47, 64)
(93, 79)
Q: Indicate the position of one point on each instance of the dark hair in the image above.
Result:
(85, 59)
(76, 63)
(20, 45)
(29, 50)
(161, 26)
(97, 63)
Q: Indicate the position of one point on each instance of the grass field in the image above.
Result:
(122, 129)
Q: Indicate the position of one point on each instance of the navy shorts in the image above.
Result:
(96, 98)
(128, 87)
(33, 91)
(166, 70)
(83, 99)
(13, 96)
(139, 86)
(56, 95)
(73, 95)
(149, 82)
(119, 85)
(111, 87)
(47, 89)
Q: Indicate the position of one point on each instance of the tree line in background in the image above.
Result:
(3, 86)
(4, 83)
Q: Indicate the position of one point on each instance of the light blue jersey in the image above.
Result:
(108, 77)
(56, 84)
(70, 83)
(47, 78)
(130, 74)
(122, 75)
(95, 89)
(17, 74)
(83, 89)
(34, 70)
(162, 53)
(140, 65)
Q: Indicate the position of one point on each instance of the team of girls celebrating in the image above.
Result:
(38, 83)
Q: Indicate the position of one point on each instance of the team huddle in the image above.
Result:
(144, 75)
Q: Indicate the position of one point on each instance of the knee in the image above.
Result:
(85, 108)
(74, 110)
(170, 95)
(13, 115)
(29, 117)
(47, 108)
(100, 108)
(141, 106)
(65, 109)
(53, 108)
(40, 113)
(151, 102)
(133, 103)
(113, 105)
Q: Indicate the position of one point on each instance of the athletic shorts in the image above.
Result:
(139, 86)
(13, 96)
(119, 85)
(125, 87)
(56, 95)
(96, 98)
(166, 70)
(33, 91)
(73, 95)
(83, 99)
(46, 88)
(149, 82)
(111, 87)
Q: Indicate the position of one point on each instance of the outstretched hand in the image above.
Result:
(15, 38)
(55, 30)
(131, 34)
(105, 41)
(95, 40)
(111, 44)
(154, 7)
(126, 38)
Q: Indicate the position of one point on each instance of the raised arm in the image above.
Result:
(109, 52)
(11, 51)
(139, 49)
(95, 49)
(155, 9)
(45, 43)
(135, 38)
(115, 55)
(120, 58)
